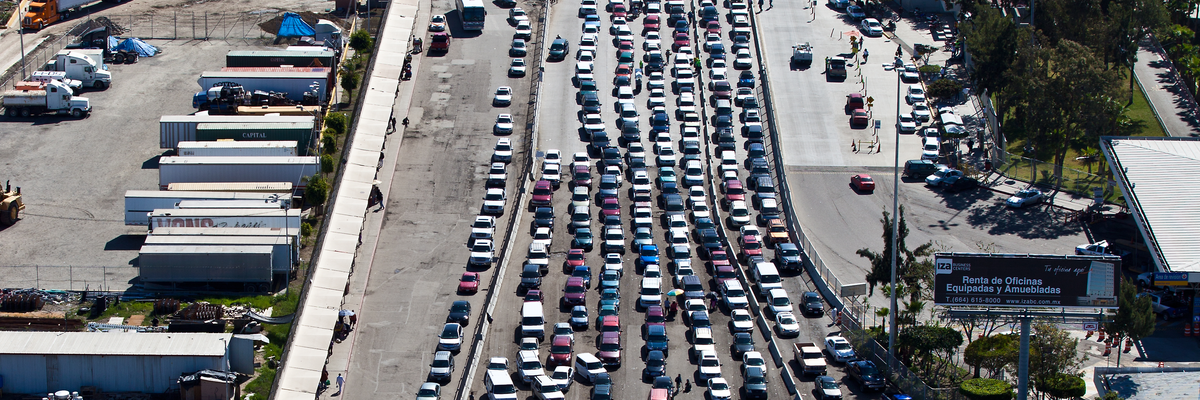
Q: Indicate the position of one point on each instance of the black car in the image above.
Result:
(742, 342)
(662, 382)
(813, 305)
(531, 277)
(559, 49)
(543, 217)
(755, 380)
(460, 312)
(656, 365)
(709, 241)
(961, 185)
(866, 374)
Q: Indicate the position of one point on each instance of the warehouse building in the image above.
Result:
(44, 362)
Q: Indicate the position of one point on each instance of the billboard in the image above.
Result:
(1014, 280)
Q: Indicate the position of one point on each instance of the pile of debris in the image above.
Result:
(98, 22)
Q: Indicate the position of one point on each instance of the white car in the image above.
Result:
(586, 55)
(786, 325)
(855, 12)
(652, 39)
(743, 60)
(552, 156)
(497, 174)
(504, 95)
(504, 124)
(683, 267)
(580, 197)
(635, 149)
(517, 67)
(915, 94)
(546, 389)
(778, 301)
(524, 30)
(651, 292)
(588, 43)
(710, 365)
(451, 338)
(656, 81)
(616, 21)
(909, 73)
(872, 27)
(543, 235)
(906, 123)
(437, 23)
(482, 253)
(585, 71)
(493, 201)
(700, 210)
(503, 151)
(840, 349)
(739, 214)
(641, 181)
(718, 389)
(587, 9)
(612, 261)
(562, 377)
(552, 172)
(753, 359)
(658, 98)
(651, 271)
(1025, 197)
(593, 122)
(741, 320)
(484, 227)
(519, 48)
(751, 230)
(920, 112)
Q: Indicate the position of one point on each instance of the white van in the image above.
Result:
(533, 320)
(500, 385)
(767, 277)
(588, 366)
(929, 151)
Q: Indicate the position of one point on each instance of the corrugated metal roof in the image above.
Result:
(115, 344)
(1161, 181)
(1155, 385)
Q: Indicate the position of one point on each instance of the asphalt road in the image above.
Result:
(437, 192)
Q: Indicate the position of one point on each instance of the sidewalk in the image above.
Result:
(1172, 103)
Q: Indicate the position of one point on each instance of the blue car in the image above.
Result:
(656, 338)
(610, 297)
(647, 254)
(610, 279)
(584, 272)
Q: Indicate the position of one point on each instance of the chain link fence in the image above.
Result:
(70, 278)
(192, 25)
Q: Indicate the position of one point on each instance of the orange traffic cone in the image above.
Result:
(1128, 344)
(1100, 338)
(1089, 335)
(1107, 349)
(839, 318)
(1187, 329)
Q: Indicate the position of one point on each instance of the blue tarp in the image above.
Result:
(135, 45)
(294, 26)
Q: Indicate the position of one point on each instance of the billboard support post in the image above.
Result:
(1023, 363)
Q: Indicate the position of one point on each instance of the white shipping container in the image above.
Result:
(182, 128)
(236, 169)
(293, 83)
(244, 232)
(231, 148)
(283, 253)
(139, 203)
(219, 218)
(269, 187)
(269, 204)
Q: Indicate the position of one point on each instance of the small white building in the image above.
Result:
(44, 362)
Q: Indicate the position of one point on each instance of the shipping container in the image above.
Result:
(248, 187)
(238, 148)
(182, 128)
(237, 218)
(213, 264)
(263, 232)
(300, 132)
(326, 70)
(292, 83)
(283, 255)
(270, 204)
(296, 110)
(279, 58)
(237, 169)
(139, 203)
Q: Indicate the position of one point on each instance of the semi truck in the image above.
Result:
(237, 169)
(250, 266)
(45, 12)
(45, 98)
(231, 148)
(297, 86)
(80, 66)
(810, 358)
(217, 218)
(139, 203)
(283, 254)
(182, 128)
(48, 76)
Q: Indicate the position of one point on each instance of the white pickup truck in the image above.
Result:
(809, 356)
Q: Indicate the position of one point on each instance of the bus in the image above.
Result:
(472, 14)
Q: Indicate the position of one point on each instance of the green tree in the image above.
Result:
(930, 347)
(992, 353)
(916, 274)
(992, 39)
(1112, 395)
(317, 190)
(349, 81)
(337, 121)
(329, 144)
(986, 389)
(326, 164)
(1135, 316)
(1052, 352)
(360, 40)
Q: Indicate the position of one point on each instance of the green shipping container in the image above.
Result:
(301, 132)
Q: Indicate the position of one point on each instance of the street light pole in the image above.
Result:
(895, 230)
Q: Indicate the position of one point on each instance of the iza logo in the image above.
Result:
(944, 266)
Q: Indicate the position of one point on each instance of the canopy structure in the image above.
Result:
(294, 26)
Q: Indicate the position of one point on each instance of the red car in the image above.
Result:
(651, 23)
(575, 258)
(713, 27)
(625, 71)
(575, 293)
(469, 283)
(721, 89)
(654, 316)
(543, 193)
(725, 273)
(751, 247)
(560, 350)
(719, 258)
(854, 101)
(609, 346)
(859, 118)
(533, 295)
(610, 207)
(863, 182)
(681, 39)
(734, 191)
(439, 41)
(618, 10)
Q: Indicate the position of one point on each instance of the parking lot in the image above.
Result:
(74, 173)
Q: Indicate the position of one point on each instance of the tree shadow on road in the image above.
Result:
(1028, 223)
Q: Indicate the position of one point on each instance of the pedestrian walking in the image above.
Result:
(866, 53)
(404, 122)
(392, 125)
(678, 380)
(340, 382)
(354, 317)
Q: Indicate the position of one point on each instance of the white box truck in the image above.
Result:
(232, 148)
(237, 169)
(52, 98)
